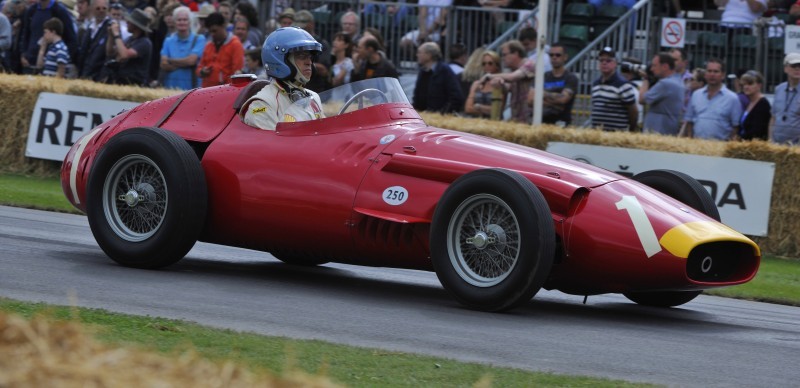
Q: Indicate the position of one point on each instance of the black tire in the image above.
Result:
(681, 187)
(146, 198)
(501, 260)
(686, 189)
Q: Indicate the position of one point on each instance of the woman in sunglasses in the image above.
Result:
(479, 101)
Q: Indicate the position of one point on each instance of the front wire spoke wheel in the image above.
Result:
(492, 239)
(135, 198)
(484, 243)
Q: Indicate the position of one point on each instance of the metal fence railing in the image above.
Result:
(633, 33)
(471, 26)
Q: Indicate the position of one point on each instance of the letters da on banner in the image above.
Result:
(59, 120)
(742, 189)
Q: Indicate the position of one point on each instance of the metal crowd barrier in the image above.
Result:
(634, 34)
(471, 26)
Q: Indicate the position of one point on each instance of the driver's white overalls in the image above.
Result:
(272, 105)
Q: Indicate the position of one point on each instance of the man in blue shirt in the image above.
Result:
(181, 52)
(714, 111)
(784, 127)
(665, 98)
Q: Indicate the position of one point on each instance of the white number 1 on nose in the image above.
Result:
(644, 229)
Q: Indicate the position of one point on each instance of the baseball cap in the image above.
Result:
(607, 51)
(302, 18)
(791, 59)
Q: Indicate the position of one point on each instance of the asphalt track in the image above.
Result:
(708, 342)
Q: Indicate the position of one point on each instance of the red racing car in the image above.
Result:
(372, 184)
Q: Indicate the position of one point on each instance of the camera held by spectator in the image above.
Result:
(637, 69)
(630, 67)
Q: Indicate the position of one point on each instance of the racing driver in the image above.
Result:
(288, 55)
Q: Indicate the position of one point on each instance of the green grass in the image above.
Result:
(355, 367)
(777, 281)
(33, 192)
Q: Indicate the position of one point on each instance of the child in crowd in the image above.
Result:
(53, 53)
(253, 64)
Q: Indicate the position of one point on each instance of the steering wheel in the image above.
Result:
(360, 96)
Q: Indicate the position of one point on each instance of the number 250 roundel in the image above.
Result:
(395, 195)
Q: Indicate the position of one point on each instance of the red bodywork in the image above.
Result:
(316, 188)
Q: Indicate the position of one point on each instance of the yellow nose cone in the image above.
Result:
(680, 240)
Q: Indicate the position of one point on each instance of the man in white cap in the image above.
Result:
(784, 127)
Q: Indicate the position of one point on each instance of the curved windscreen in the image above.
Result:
(362, 94)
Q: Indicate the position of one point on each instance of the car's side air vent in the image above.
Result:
(432, 136)
(385, 233)
(352, 153)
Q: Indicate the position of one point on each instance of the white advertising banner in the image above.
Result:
(59, 120)
(742, 189)
(791, 40)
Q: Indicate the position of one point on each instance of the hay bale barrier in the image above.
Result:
(19, 93)
(43, 352)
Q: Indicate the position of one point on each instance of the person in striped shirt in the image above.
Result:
(53, 53)
(613, 97)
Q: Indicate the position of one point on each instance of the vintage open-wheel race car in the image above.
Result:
(372, 184)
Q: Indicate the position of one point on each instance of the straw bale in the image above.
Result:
(18, 94)
(45, 353)
(784, 222)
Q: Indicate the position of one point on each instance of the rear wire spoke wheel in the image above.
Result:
(688, 190)
(492, 240)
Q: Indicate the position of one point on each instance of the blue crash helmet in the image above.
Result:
(281, 42)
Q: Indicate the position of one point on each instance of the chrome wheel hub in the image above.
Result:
(483, 240)
(135, 198)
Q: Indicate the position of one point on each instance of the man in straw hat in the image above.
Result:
(201, 15)
(133, 54)
(286, 18)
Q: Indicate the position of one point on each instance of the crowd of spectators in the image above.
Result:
(712, 111)
(184, 44)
